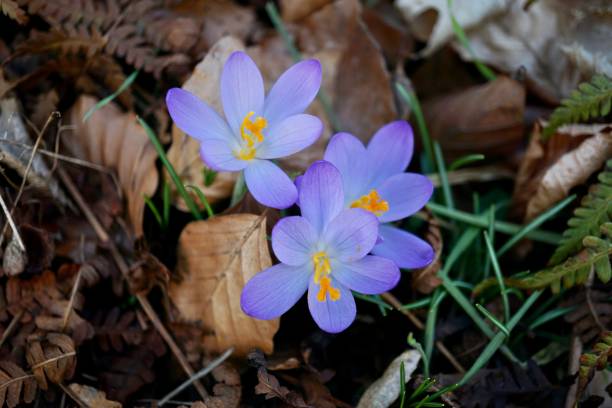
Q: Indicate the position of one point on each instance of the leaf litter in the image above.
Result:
(113, 294)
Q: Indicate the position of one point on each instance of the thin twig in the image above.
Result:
(9, 220)
(74, 396)
(214, 364)
(11, 327)
(397, 305)
(123, 267)
(53, 360)
(75, 289)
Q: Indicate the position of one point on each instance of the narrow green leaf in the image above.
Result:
(105, 101)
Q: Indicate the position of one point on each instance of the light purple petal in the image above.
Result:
(219, 156)
(269, 184)
(293, 239)
(370, 275)
(289, 136)
(348, 154)
(351, 235)
(390, 150)
(332, 316)
(242, 89)
(272, 292)
(321, 194)
(194, 117)
(406, 193)
(405, 249)
(293, 91)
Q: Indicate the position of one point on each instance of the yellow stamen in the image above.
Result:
(372, 202)
(246, 153)
(321, 265)
(250, 128)
(325, 288)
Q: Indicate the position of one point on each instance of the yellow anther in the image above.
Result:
(372, 202)
(246, 153)
(321, 266)
(325, 288)
(250, 129)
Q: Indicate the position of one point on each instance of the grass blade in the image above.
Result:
(498, 276)
(105, 101)
(493, 320)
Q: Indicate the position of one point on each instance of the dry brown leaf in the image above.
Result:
(115, 140)
(184, 154)
(13, 379)
(486, 118)
(92, 397)
(384, 391)
(216, 258)
(425, 280)
(550, 169)
(293, 10)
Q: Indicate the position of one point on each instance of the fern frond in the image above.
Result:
(598, 359)
(591, 99)
(574, 271)
(11, 9)
(595, 210)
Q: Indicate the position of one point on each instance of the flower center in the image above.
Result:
(322, 268)
(251, 132)
(372, 202)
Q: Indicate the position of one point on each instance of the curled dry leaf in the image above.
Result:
(184, 154)
(114, 139)
(425, 280)
(551, 168)
(269, 386)
(486, 118)
(92, 397)
(51, 358)
(384, 391)
(216, 258)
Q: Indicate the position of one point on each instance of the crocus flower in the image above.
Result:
(323, 251)
(256, 129)
(374, 180)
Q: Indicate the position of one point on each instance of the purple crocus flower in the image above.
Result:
(374, 180)
(323, 251)
(256, 129)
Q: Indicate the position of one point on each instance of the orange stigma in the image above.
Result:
(251, 132)
(326, 288)
(372, 202)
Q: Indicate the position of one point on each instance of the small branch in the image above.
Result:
(75, 289)
(53, 360)
(11, 222)
(11, 327)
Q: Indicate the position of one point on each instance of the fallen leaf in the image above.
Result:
(270, 387)
(115, 140)
(387, 27)
(551, 168)
(293, 10)
(487, 119)
(216, 258)
(184, 154)
(425, 280)
(384, 391)
(92, 397)
(227, 391)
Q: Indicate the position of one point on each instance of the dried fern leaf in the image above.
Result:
(13, 380)
(591, 100)
(595, 210)
(598, 359)
(11, 9)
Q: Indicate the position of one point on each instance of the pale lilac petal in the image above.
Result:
(219, 156)
(293, 239)
(390, 150)
(351, 235)
(321, 194)
(405, 249)
(289, 136)
(242, 89)
(406, 194)
(272, 292)
(332, 316)
(194, 117)
(370, 275)
(348, 154)
(269, 184)
(293, 91)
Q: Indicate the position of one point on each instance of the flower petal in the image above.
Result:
(321, 194)
(351, 235)
(332, 316)
(289, 136)
(348, 154)
(269, 184)
(292, 240)
(194, 117)
(293, 91)
(406, 193)
(405, 249)
(272, 292)
(218, 155)
(390, 150)
(370, 275)
(242, 89)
